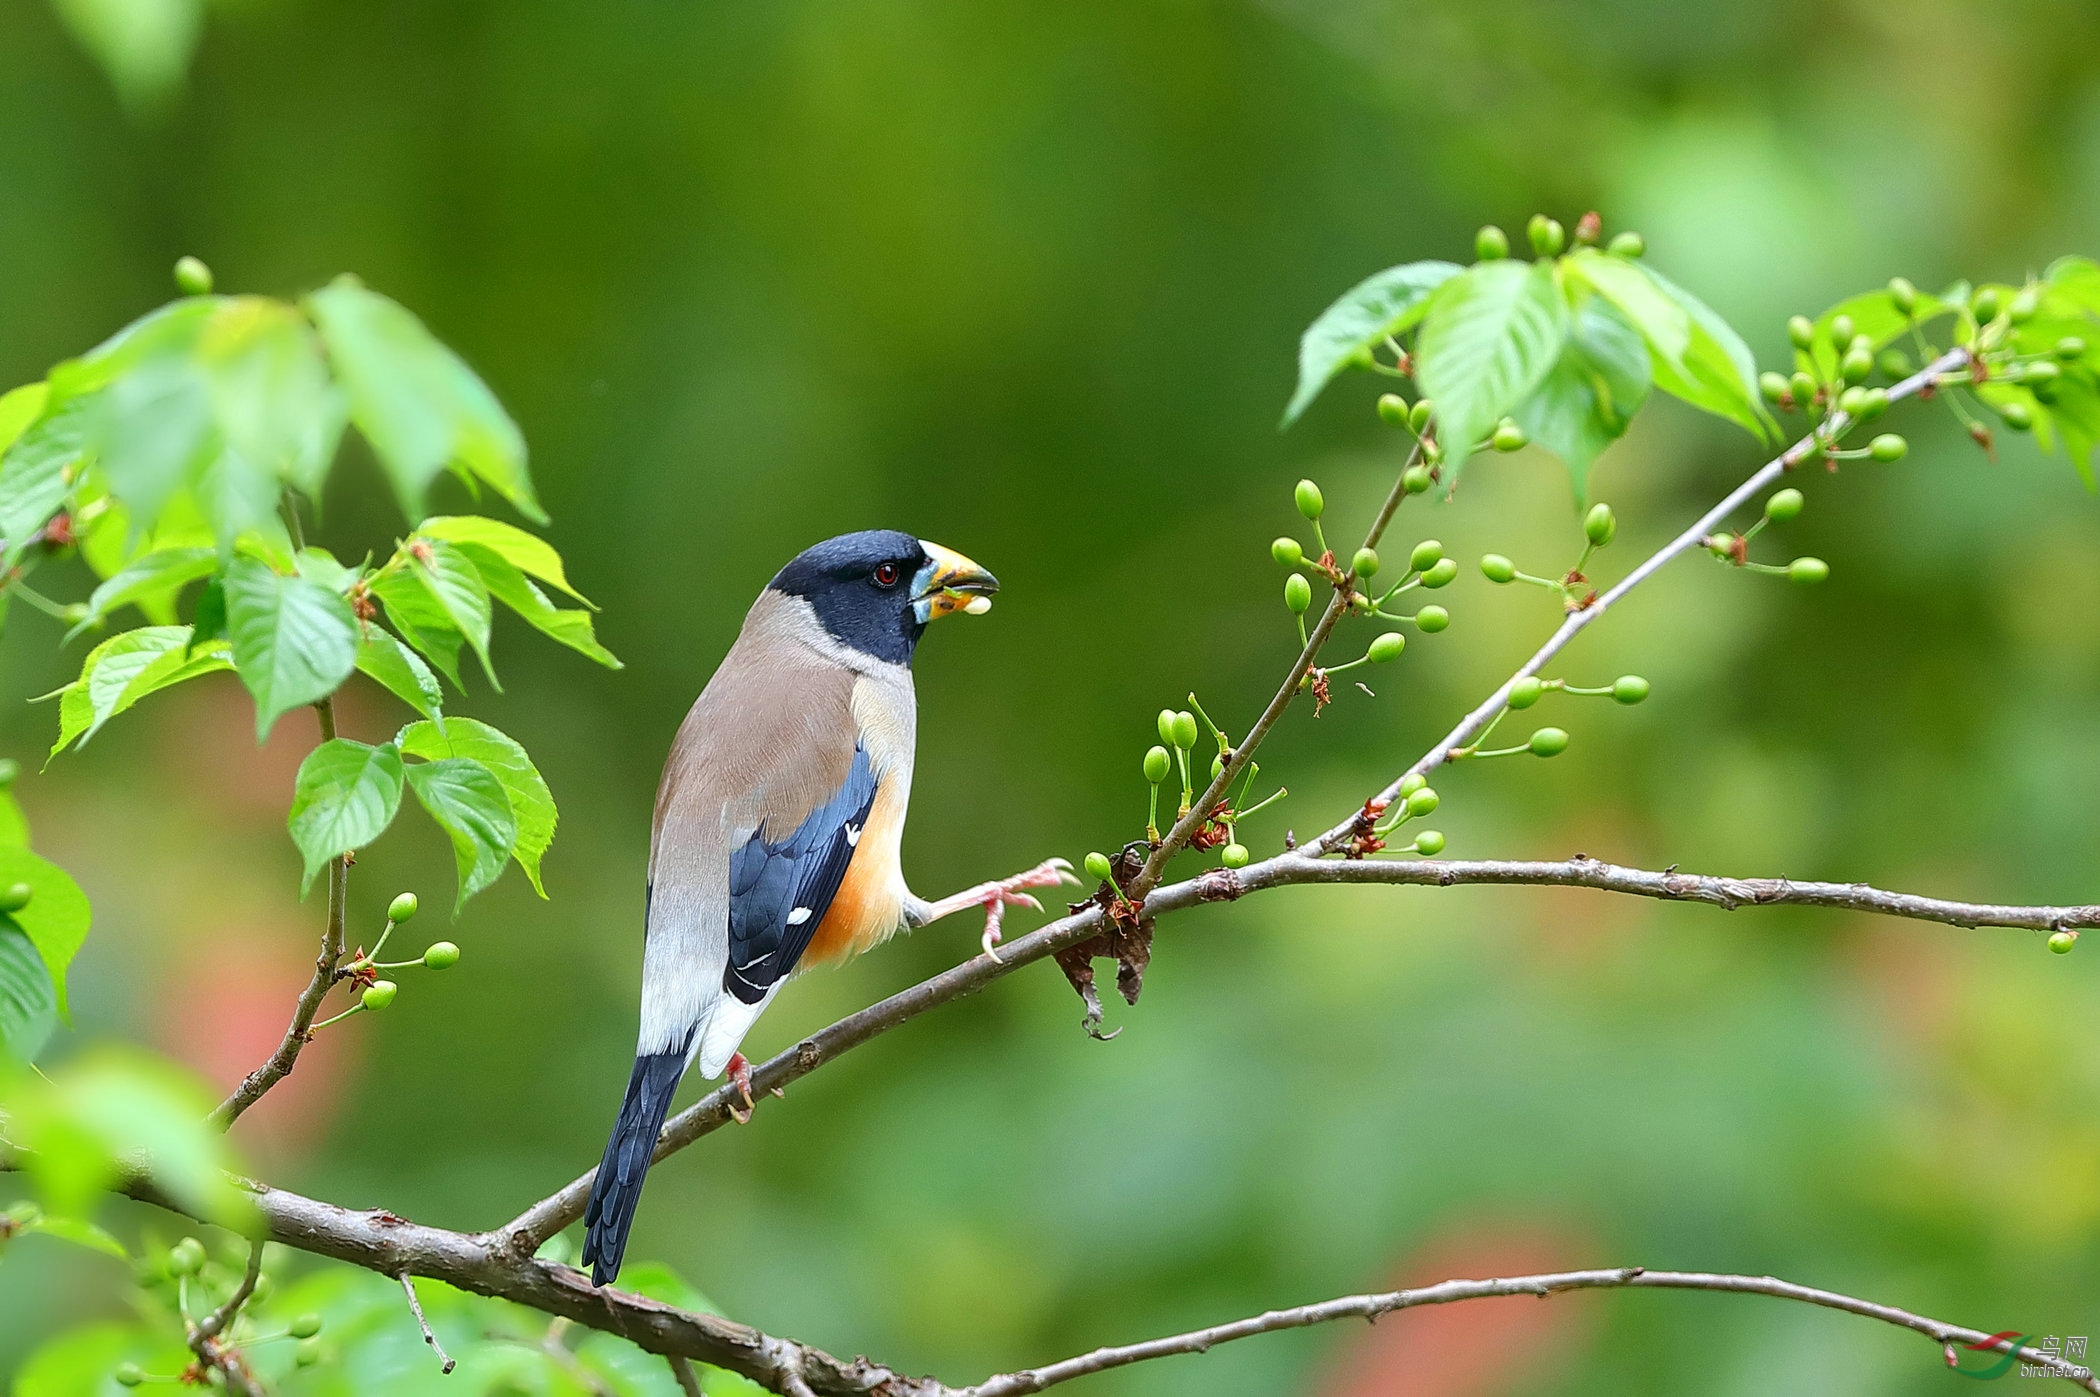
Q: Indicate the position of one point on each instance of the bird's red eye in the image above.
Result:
(886, 575)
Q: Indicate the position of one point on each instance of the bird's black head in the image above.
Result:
(876, 590)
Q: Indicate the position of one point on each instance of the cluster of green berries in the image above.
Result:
(1549, 239)
(1734, 549)
(185, 1265)
(1599, 527)
(1426, 567)
(380, 993)
(1414, 799)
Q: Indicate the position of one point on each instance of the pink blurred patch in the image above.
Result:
(211, 738)
(1476, 1348)
(226, 1012)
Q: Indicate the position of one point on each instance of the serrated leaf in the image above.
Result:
(468, 802)
(531, 803)
(319, 566)
(271, 392)
(528, 553)
(1381, 306)
(1586, 401)
(56, 917)
(344, 798)
(294, 641)
(35, 474)
(1718, 373)
(158, 574)
(1663, 322)
(28, 1002)
(421, 621)
(1489, 337)
(571, 627)
(126, 668)
(450, 578)
(418, 404)
(400, 670)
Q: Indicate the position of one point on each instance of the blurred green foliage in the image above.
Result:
(1030, 282)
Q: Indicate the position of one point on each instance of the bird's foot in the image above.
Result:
(740, 1075)
(996, 897)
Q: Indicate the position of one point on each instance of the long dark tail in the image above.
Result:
(618, 1186)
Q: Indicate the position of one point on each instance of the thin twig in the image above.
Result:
(1372, 1306)
(682, 1370)
(215, 1323)
(212, 1351)
(1184, 828)
(1576, 621)
(445, 1363)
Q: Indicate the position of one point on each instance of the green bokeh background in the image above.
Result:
(1027, 280)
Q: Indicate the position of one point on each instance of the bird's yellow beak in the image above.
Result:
(950, 582)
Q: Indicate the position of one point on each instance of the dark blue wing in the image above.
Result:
(779, 892)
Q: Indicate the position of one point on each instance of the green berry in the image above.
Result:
(1772, 385)
(1628, 244)
(1888, 447)
(440, 955)
(1234, 856)
(1804, 390)
(1629, 689)
(1412, 782)
(1365, 563)
(1858, 363)
(2061, 942)
(1490, 244)
(1526, 691)
(1184, 729)
(1784, 505)
(129, 1375)
(1432, 619)
(1807, 572)
(1387, 647)
(1429, 842)
(192, 277)
(1547, 236)
(1800, 331)
(1426, 555)
(1984, 306)
(379, 994)
(1548, 742)
(1874, 404)
(1098, 867)
(1497, 568)
(1903, 294)
(1509, 437)
(1217, 766)
(1416, 479)
(2041, 371)
(2017, 416)
(1418, 416)
(401, 908)
(1895, 363)
(306, 1326)
(1287, 551)
(1841, 332)
(1309, 502)
(1392, 409)
(1166, 726)
(1297, 593)
(2070, 347)
(1157, 765)
(1600, 525)
(1422, 802)
(1442, 574)
(306, 1352)
(1852, 400)
(2023, 305)
(15, 897)
(186, 1257)
(1721, 545)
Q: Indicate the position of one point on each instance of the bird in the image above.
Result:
(775, 845)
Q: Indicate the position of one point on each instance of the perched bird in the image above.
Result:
(777, 826)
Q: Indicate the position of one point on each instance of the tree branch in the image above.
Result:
(212, 1351)
(1576, 621)
(1370, 1307)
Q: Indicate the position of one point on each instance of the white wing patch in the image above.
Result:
(798, 916)
(853, 836)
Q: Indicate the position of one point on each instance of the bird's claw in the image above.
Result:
(740, 1077)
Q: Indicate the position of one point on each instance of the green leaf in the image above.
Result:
(422, 622)
(455, 584)
(2076, 281)
(79, 1361)
(18, 408)
(1490, 336)
(143, 45)
(170, 329)
(345, 797)
(270, 391)
(56, 917)
(2076, 414)
(531, 803)
(468, 802)
(416, 402)
(80, 1233)
(1718, 373)
(1663, 322)
(1874, 315)
(126, 668)
(294, 641)
(528, 553)
(28, 1001)
(571, 627)
(35, 474)
(152, 435)
(400, 670)
(1585, 403)
(320, 567)
(160, 574)
(1386, 304)
(14, 825)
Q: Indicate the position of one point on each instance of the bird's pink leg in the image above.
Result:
(996, 897)
(740, 1074)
